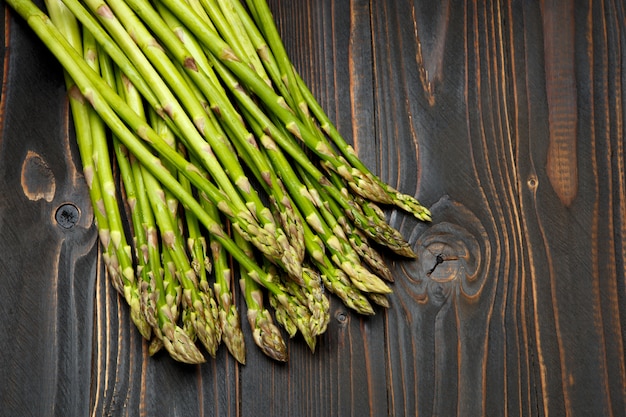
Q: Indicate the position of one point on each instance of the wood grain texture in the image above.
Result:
(47, 271)
(559, 46)
(505, 117)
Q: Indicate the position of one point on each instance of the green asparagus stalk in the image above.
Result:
(202, 265)
(334, 279)
(149, 265)
(275, 103)
(258, 42)
(80, 114)
(181, 270)
(265, 333)
(376, 228)
(230, 323)
(168, 71)
(360, 179)
(57, 44)
(196, 132)
(193, 308)
(293, 315)
(235, 34)
(311, 294)
(403, 201)
(305, 101)
(198, 316)
(342, 226)
(140, 241)
(112, 48)
(297, 103)
(221, 26)
(125, 280)
(342, 253)
(224, 101)
(379, 299)
(159, 290)
(220, 104)
(338, 282)
(240, 216)
(372, 223)
(148, 249)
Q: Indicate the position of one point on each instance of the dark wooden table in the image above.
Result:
(506, 118)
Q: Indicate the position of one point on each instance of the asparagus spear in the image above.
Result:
(167, 70)
(197, 313)
(140, 241)
(240, 215)
(202, 265)
(125, 280)
(227, 309)
(230, 11)
(403, 201)
(178, 267)
(225, 11)
(334, 279)
(339, 284)
(358, 175)
(258, 42)
(328, 208)
(221, 50)
(311, 294)
(265, 333)
(396, 242)
(305, 101)
(342, 226)
(291, 314)
(207, 82)
(80, 114)
(376, 228)
(57, 44)
(342, 253)
(380, 299)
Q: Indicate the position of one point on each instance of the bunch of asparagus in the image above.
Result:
(205, 153)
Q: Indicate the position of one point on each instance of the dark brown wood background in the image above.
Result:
(506, 118)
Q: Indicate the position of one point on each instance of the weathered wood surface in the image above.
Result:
(506, 118)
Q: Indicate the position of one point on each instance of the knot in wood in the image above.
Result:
(443, 253)
(342, 318)
(452, 253)
(67, 215)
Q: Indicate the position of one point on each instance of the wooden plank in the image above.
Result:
(515, 324)
(47, 242)
(506, 118)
